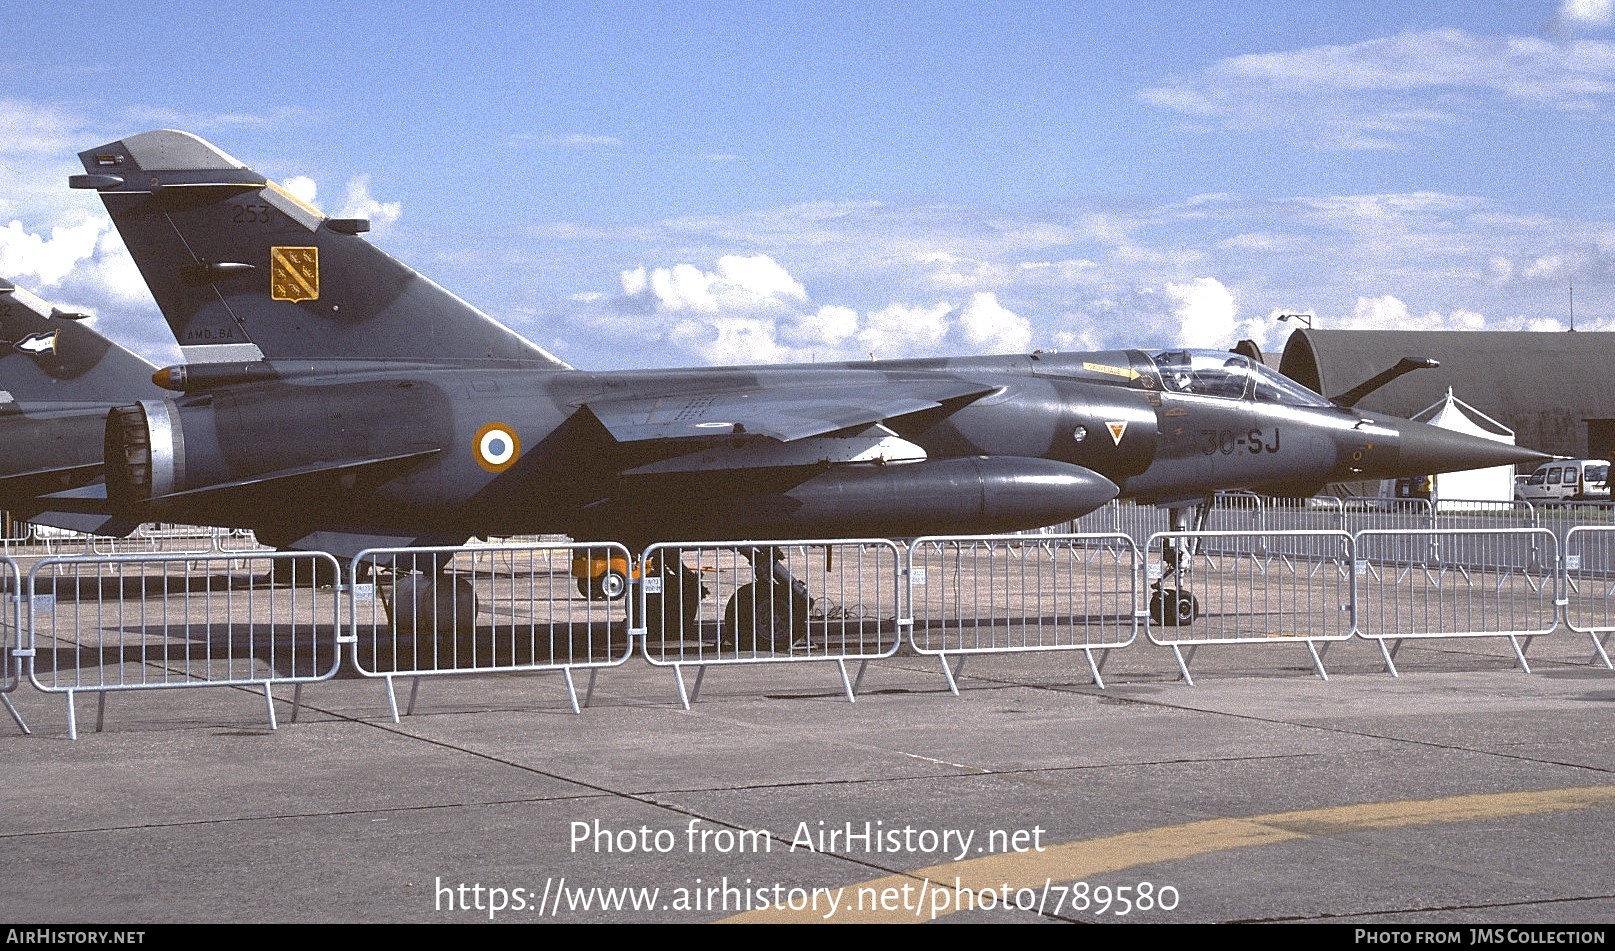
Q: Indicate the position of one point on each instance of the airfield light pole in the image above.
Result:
(1305, 319)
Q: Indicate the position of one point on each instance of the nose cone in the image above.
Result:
(1422, 449)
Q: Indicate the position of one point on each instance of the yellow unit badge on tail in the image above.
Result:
(294, 273)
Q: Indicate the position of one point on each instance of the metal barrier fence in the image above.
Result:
(1588, 598)
(420, 612)
(1137, 522)
(28, 540)
(982, 594)
(122, 623)
(1248, 587)
(159, 539)
(730, 603)
(125, 623)
(43, 541)
(1246, 511)
(1456, 583)
(11, 632)
(1561, 517)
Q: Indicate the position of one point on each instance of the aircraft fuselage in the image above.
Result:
(467, 450)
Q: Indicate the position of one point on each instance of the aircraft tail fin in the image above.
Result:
(49, 355)
(243, 270)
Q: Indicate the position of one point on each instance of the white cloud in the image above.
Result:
(1574, 15)
(304, 188)
(1205, 310)
(898, 330)
(989, 327)
(1358, 96)
(730, 340)
(114, 269)
(1388, 312)
(358, 203)
(828, 328)
(27, 256)
(750, 309)
(582, 141)
(1202, 273)
(740, 282)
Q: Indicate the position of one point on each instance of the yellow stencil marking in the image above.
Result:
(1123, 372)
(1077, 861)
(294, 273)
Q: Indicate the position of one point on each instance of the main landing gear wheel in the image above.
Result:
(761, 617)
(771, 612)
(1170, 607)
(610, 586)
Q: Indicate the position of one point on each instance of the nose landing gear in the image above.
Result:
(1178, 607)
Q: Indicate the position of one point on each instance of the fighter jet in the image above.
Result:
(346, 402)
(58, 379)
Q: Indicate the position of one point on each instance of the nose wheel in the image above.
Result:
(1177, 606)
(1171, 607)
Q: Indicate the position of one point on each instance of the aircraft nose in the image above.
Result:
(1422, 449)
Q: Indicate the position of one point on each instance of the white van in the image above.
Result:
(1578, 480)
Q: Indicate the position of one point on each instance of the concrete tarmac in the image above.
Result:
(1464, 792)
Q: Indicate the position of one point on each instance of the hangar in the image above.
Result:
(1550, 388)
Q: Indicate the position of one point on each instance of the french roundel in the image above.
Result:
(497, 447)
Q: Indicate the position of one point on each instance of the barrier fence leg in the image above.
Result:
(414, 693)
(1390, 664)
(1183, 663)
(297, 700)
(571, 690)
(269, 705)
(1093, 667)
(11, 709)
(588, 692)
(1317, 661)
(72, 718)
(863, 666)
(1519, 652)
(678, 678)
(100, 711)
(392, 697)
(1598, 649)
(846, 682)
(700, 675)
(947, 672)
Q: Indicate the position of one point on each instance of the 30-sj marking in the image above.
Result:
(1213, 441)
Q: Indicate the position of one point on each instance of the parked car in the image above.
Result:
(1566, 480)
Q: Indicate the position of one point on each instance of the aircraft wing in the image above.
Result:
(93, 498)
(786, 414)
(39, 481)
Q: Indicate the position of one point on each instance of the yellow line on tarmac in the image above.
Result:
(1076, 861)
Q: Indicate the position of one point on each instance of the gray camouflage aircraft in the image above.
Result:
(58, 379)
(337, 400)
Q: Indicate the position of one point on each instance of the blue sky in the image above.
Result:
(642, 184)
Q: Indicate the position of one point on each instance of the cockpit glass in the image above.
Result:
(1274, 387)
(1229, 376)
